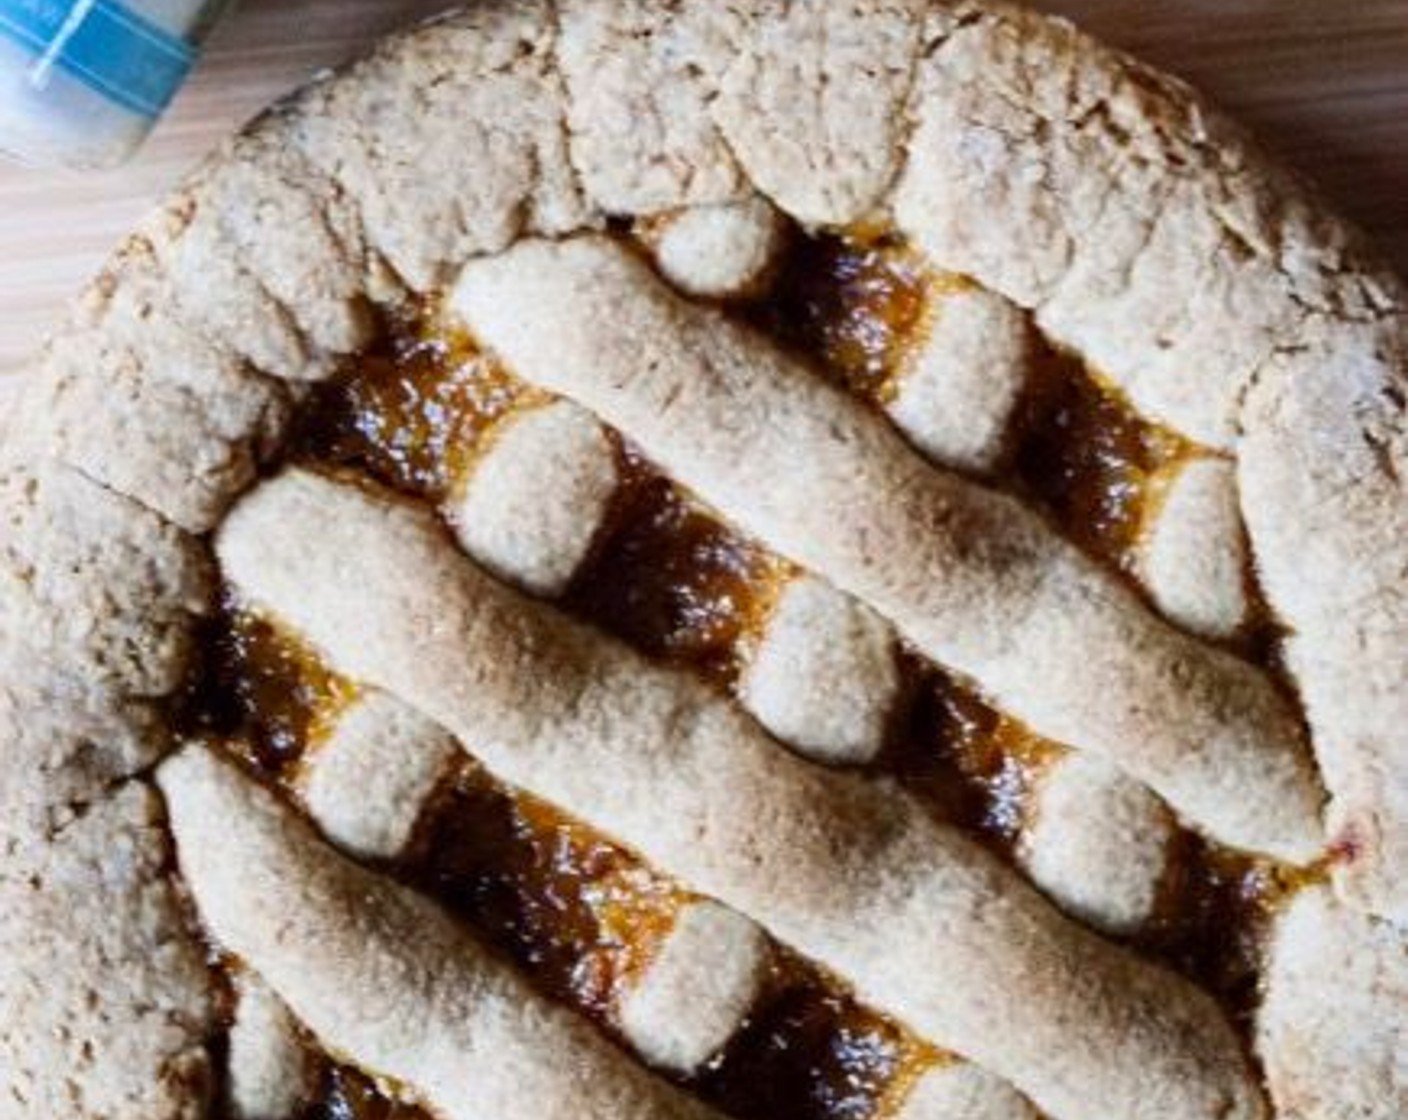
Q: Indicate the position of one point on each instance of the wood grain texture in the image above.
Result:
(1324, 82)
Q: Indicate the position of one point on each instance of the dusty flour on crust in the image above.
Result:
(1139, 229)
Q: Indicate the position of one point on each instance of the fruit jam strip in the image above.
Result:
(673, 580)
(259, 688)
(1082, 453)
(578, 913)
(975, 766)
(409, 412)
(584, 919)
(806, 1052)
(859, 304)
(346, 1094)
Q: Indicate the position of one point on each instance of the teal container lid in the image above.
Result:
(106, 46)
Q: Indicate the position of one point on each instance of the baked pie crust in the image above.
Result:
(629, 560)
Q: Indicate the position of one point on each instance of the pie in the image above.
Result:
(807, 561)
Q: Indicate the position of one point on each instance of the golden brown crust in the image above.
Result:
(452, 140)
(1193, 557)
(149, 407)
(1147, 232)
(1323, 470)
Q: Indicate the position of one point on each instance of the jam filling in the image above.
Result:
(261, 690)
(670, 578)
(345, 1094)
(583, 917)
(855, 304)
(575, 910)
(1213, 918)
(409, 412)
(975, 766)
(1083, 454)
(809, 1051)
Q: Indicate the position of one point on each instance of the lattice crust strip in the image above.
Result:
(973, 579)
(1140, 231)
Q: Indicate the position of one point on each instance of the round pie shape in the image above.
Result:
(599, 202)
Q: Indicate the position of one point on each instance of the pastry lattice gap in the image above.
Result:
(582, 916)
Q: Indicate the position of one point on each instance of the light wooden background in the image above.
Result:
(1324, 81)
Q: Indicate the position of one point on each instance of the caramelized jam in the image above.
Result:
(671, 579)
(576, 911)
(262, 688)
(345, 1094)
(409, 412)
(975, 765)
(809, 1052)
(1213, 917)
(1096, 466)
(855, 302)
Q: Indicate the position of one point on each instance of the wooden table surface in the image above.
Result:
(1325, 82)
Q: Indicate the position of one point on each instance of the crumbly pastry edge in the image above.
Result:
(1316, 419)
